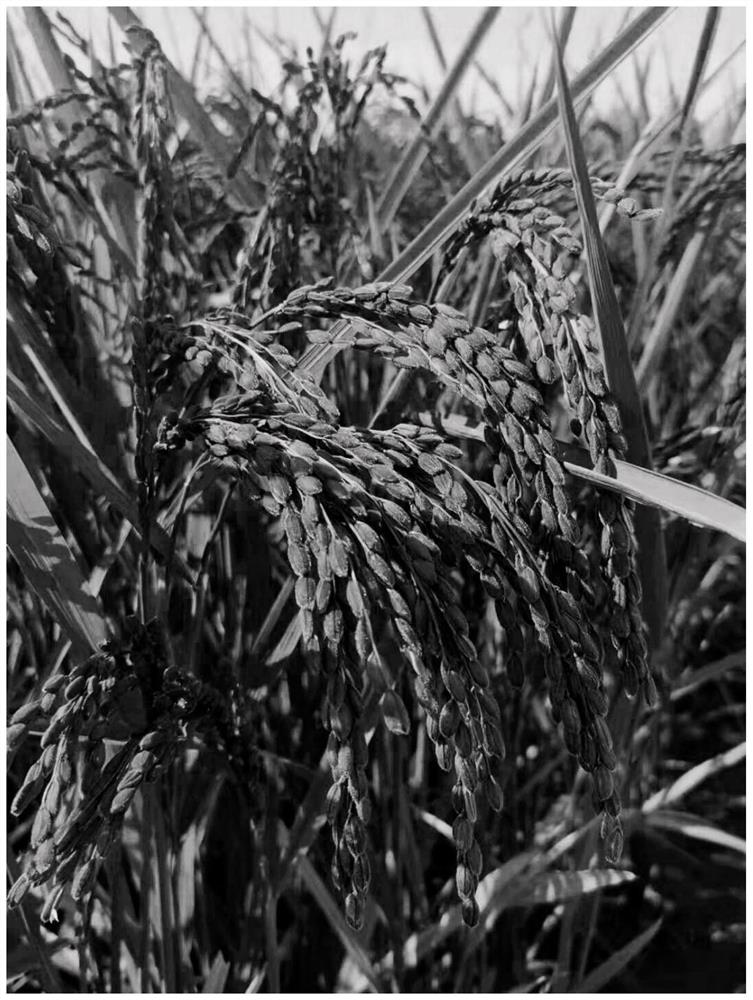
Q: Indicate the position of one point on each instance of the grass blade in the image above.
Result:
(511, 154)
(558, 887)
(47, 563)
(39, 947)
(49, 51)
(411, 160)
(642, 485)
(695, 827)
(604, 973)
(466, 147)
(333, 913)
(215, 981)
(511, 885)
(657, 490)
(694, 777)
(686, 684)
(62, 79)
(89, 465)
(202, 128)
(652, 559)
(520, 146)
(200, 15)
(674, 299)
(657, 128)
(641, 298)
(565, 27)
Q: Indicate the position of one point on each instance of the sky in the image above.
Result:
(516, 43)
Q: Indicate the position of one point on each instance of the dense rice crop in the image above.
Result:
(375, 526)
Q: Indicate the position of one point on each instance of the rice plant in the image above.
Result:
(369, 518)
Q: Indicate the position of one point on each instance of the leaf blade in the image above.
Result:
(642, 485)
(513, 152)
(604, 973)
(331, 911)
(89, 464)
(410, 162)
(47, 562)
(652, 559)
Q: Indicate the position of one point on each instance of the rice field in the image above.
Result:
(376, 514)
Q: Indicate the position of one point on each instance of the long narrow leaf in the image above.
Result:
(558, 887)
(696, 828)
(674, 298)
(604, 973)
(512, 153)
(89, 465)
(411, 160)
(652, 559)
(46, 562)
(686, 684)
(643, 291)
(511, 885)
(218, 973)
(654, 488)
(50, 55)
(654, 131)
(119, 222)
(657, 490)
(333, 914)
(565, 27)
(520, 146)
(466, 147)
(694, 777)
(203, 129)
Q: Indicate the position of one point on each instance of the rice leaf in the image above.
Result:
(218, 973)
(657, 490)
(46, 561)
(186, 882)
(286, 646)
(598, 978)
(272, 617)
(36, 349)
(491, 888)
(511, 885)
(565, 27)
(333, 914)
(694, 777)
(18, 91)
(410, 162)
(558, 887)
(512, 153)
(648, 277)
(686, 684)
(674, 300)
(466, 146)
(521, 145)
(202, 128)
(257, 979)
(206, 33)
(89, 465)
(654, 131)
(652, 559)
(695, 827)
(48, 49)
(645, 487)
(43, 950)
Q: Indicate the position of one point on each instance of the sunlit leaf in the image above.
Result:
(47, 562)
